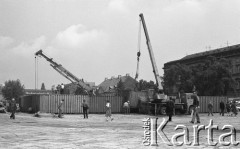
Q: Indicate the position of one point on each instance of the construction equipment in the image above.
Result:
(152, 58)
(158, 99)
(64, 72)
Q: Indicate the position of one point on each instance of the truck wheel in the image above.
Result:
(190, 110)
(163, 111)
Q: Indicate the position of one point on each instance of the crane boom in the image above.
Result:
(64, 72)
(152, 58)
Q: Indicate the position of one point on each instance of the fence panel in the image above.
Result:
(98, 103)
(71, 103)
(204, 100)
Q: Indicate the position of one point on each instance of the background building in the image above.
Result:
(231, 53)
(109, 86)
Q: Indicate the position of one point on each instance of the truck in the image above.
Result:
(157, 100)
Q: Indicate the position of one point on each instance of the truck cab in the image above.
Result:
(186, 98)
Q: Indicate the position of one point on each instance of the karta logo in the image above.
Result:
(152, 132)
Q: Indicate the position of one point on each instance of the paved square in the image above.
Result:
(72, 131)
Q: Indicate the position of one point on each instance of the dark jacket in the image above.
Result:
(195, 100)
(228, 106)
(222, 105)
(85, 105)
(13, 106)
(210, 106)
(170, 106)
(234, 108)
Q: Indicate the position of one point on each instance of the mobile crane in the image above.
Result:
(160, 100)
(64, 72)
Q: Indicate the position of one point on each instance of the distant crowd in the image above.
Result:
(59, 89)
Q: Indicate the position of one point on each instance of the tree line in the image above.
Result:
(212, 77)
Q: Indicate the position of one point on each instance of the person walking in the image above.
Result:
(234, 108)
(196, 107)
(170, 109)
(85, 109)
(60, 109)
(108, 111)
(125, 107)
(210, 108)
(222, 108)
(228, 108)
(13, 107)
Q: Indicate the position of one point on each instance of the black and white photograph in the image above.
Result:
(119, 74)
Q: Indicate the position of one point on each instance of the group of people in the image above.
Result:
(230, 108)
(59, 89)
(85, 107)
(170, 106)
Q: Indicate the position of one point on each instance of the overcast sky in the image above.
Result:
(95, 39)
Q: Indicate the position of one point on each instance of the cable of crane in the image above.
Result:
(36, 72)
(139, 49)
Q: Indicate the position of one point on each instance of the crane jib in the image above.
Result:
(152, 58)
(64, 72)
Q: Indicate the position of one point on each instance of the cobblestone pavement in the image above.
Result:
(72, 131)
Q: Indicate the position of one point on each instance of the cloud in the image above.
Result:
(118, 6)
(29, 48)
(78, 36)
(5, 41)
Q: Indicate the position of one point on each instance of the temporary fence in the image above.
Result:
(71, 103)
(204, 101)
(97, 104)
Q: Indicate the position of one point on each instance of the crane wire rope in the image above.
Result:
(139, 49)
(36, 72)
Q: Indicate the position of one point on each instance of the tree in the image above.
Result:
(80, 91)
(180, 75)
(13, 89)
(120, 87)
(122, 91)
(212, 77)
(144, 85)
(43, 87)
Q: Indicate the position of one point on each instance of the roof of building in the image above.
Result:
(215, 51)
(112, 83)
(207, 53)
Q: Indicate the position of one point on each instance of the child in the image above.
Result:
(108, 111)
